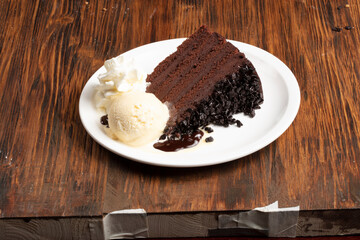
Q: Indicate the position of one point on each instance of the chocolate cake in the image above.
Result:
(206, 81)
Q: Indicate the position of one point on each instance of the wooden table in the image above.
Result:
(55, 180)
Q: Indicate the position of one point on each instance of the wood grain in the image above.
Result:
(50, 166)
(314, 163)
(54, 228)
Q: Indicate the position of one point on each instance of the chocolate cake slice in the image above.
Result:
(206, 81)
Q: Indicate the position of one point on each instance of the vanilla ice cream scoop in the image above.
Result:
(136, 118)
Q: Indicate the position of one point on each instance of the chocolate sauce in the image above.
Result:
(186, 141)
(104, 120)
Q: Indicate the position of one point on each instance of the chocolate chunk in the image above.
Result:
(209, 139)
(162, 137)
(104, 120)
(238, 123)
(208, 129)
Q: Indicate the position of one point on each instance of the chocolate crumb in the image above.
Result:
(238, 123)
(104, 120)
(336, 29)
(348, 27)
(162, 137)
(339, 7)
(209, 139)
(208, 129)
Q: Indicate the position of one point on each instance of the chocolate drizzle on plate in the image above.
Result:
(186, 141)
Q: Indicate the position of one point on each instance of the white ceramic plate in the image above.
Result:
(281, 104)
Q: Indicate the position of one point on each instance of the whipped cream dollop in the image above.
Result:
(122, 75)
(134, 116)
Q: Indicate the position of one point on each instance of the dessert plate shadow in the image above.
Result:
(281, 104)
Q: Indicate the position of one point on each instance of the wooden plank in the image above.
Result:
(54, 228)
(172, 225)
(49, 165)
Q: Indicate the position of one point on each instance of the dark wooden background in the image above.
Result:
(50, 166)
